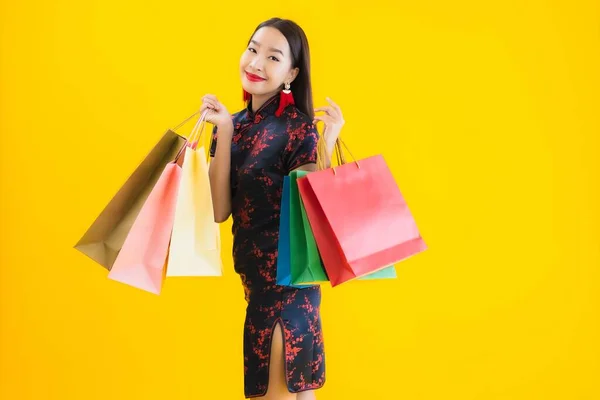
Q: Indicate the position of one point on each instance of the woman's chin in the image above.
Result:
(256, 88)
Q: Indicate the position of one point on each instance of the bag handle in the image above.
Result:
(174, 129)
(339, 143)
(341, 158)
(199, 127)
(185, 120)
(339, 154)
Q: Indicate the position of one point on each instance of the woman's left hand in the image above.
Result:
(332, 119)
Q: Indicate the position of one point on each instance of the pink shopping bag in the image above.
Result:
(360, 219)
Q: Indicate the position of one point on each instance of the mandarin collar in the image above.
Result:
(267, 109)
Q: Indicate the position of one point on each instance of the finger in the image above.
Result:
(327, 109)
(335, 112)
(335, 105)
(325, 118)
(210, 100)
(206, 107)
(212, 104)
(209, 116)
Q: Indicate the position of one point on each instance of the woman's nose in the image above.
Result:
(256, 64)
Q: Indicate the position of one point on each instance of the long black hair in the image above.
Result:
(301, 87)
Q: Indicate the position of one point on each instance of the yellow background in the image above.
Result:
(487, 113)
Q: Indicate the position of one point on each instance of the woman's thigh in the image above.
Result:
(277, 384)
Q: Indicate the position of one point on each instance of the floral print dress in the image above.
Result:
(265, 148)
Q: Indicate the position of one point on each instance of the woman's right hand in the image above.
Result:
(217, 113)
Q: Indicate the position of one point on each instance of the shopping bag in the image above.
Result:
(313, 271)
(284, 276)
(384, 273)
(142, 259)
(360, 219)
(306, 266)
(304, 260)
(195, 248)
(104, 239)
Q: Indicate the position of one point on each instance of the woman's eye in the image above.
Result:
(251, 49)
(274, 58)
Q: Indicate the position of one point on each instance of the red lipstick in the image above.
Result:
(254, 78)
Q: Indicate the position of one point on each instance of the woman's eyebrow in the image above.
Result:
(270, 48)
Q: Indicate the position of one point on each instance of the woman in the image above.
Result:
(252, 151)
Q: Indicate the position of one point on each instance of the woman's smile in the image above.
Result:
(254, 78)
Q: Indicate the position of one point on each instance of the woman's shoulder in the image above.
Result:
(296, 116)
(239, 115)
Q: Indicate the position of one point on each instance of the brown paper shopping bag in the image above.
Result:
(105, 237)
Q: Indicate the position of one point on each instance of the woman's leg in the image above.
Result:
(308, 395)
(277, 384)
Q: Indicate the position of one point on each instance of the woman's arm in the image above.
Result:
(220, 167)
(219, 174)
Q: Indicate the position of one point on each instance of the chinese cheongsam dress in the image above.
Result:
(264, 149)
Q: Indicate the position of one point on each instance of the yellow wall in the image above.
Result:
(487, 112)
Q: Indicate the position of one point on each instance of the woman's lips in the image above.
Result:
(254, 78)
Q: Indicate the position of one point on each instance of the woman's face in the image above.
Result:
(266, 64)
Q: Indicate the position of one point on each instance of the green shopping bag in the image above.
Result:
(306, 264)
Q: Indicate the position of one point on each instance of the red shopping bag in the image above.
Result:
(359, 217)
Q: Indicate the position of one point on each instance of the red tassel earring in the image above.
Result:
(285, 98)
(247, 96)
